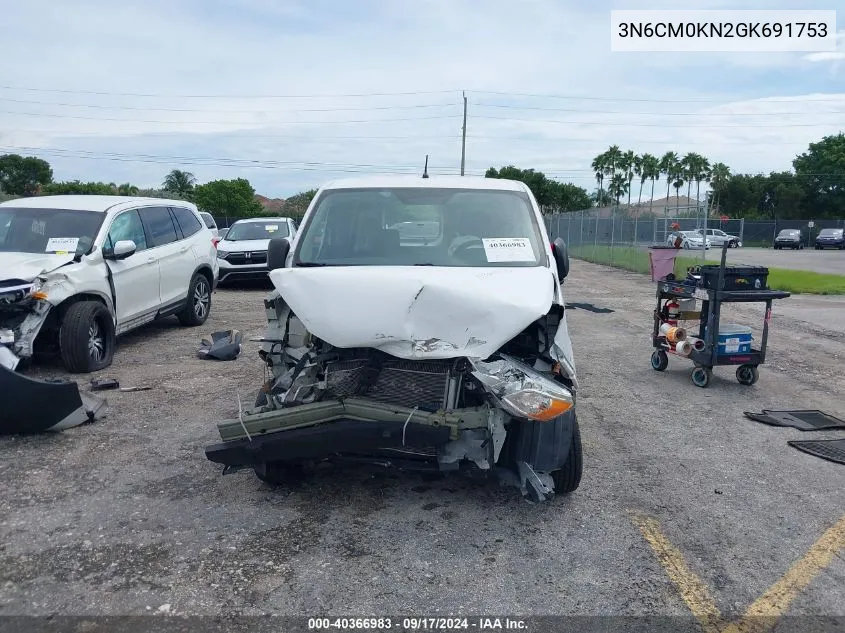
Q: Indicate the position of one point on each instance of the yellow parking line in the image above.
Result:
(774, 603)
(692, 590)
(764, 612)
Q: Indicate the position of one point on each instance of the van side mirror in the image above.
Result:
(561, 254)
(277, 253)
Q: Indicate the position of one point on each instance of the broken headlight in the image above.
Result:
(521, 390)
(36, 290)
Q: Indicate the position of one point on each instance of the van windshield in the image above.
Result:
(421, 227)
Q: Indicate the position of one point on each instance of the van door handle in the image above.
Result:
(151, 260)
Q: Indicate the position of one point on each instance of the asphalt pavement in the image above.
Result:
(825, 261)
(683, 499)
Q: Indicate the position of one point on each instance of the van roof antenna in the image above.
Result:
(425, 169)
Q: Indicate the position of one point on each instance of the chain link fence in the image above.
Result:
(612, 236)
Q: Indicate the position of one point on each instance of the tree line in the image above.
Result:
(552, 196)
(814, 189)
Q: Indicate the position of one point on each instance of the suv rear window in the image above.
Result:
(209, 220)
(187, 221)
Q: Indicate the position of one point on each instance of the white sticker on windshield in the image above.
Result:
(508, 249)
(271, 227)
(61, 245)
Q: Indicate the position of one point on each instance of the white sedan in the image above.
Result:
(689, 239)
(718, 238)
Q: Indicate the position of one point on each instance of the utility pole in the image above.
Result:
(464, 137)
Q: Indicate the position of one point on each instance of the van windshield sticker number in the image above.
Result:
(508, 249)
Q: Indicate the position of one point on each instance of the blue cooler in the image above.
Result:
(734, 339)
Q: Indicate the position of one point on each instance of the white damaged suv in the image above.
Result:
(440, 349)
(76, 271)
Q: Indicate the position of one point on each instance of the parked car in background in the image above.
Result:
(830, 238)
(221, 233)
(242, 253)
(76, 271)
(208, 219)
(719, 238)
(689, 239)
(789, 238)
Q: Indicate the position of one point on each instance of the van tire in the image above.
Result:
(87, 337)
(568, 478)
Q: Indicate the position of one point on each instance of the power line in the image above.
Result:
(261, 136)
(216, 161)
(455, 91)
(321, 166)
(627, 112)
(263, 111)
(663, 125)
(85, 118)
(634, 100)
(229, 96)
(630, 142)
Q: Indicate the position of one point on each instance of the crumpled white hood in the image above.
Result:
(28, 266)
(419, 312)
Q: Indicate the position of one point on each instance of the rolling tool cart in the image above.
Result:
(712, 285)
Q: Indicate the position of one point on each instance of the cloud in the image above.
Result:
(199, 85)
(830, 56)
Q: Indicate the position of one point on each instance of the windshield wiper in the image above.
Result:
(425, 264)
(309, 264)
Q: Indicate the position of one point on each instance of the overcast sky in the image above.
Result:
(126, 91)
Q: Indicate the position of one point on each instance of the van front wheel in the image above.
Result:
(568, 478)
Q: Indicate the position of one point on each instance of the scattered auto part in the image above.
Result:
(804, 420)
(223, 345)
(36, 406)
(830, 450)
(102, 384)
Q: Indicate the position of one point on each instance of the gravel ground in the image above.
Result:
(126, 516)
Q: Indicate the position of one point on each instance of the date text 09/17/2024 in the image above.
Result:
(417, 624)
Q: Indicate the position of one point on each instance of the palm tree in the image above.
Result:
(628, 166)
(612, 158)
(638, 170)
(599, 165)
(127, 190)
(179, 182)
(719, 176)
(617, 186)
(677, 183)
(702, 173)
(669, 166)
(689, 164)
(649, 170)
